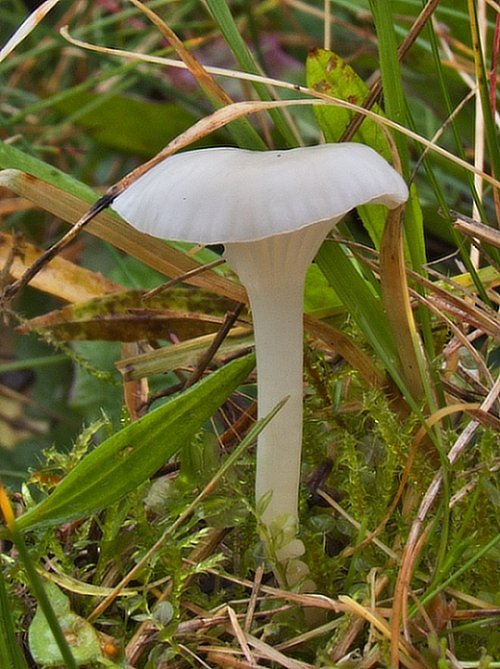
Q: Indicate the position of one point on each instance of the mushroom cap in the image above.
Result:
(222, 195)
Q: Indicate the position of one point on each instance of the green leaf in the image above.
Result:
(122, 317)
(81, 636)
(330, 74)
(13, 158)
(125, 123)
(395, 106)
(319, 298)
(132, 455)
(390, 72)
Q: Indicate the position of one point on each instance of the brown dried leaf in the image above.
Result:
(122, 317)
(144, 325)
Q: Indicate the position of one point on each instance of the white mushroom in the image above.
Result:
(271, 210)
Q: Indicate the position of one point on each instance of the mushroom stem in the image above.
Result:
(273, 271)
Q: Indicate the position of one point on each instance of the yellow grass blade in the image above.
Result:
(61, 277)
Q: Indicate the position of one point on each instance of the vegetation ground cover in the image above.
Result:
(127, 410)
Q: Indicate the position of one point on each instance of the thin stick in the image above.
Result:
(228, 323)
(182, 277)
(13, 288)
(259, 573)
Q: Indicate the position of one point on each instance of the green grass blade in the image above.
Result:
(35, 581)
(395, 108)
(13, 158)
(483, 550)
(435, 180)
(10, 653)
(221, 14)
(390, 72)
(482, 81)
(363, 305)
(132, 455)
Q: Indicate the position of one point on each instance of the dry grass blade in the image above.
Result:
(60, 278)
(240, 636)
(346, 347)
(269, 653)
(226, 326)
(385, 549)
(199, 72)
(111, 228)
(27, 27)
(182, 278)
(466, 309)
(357, 624)
(407, 654)
(226, 658)
(475, 229)
(183, 354)
(259, 573)
(397, 304)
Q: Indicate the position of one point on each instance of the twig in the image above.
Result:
(181, 278)
(12, 289)
(259, 573)
(207, 357)
(472, 228)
